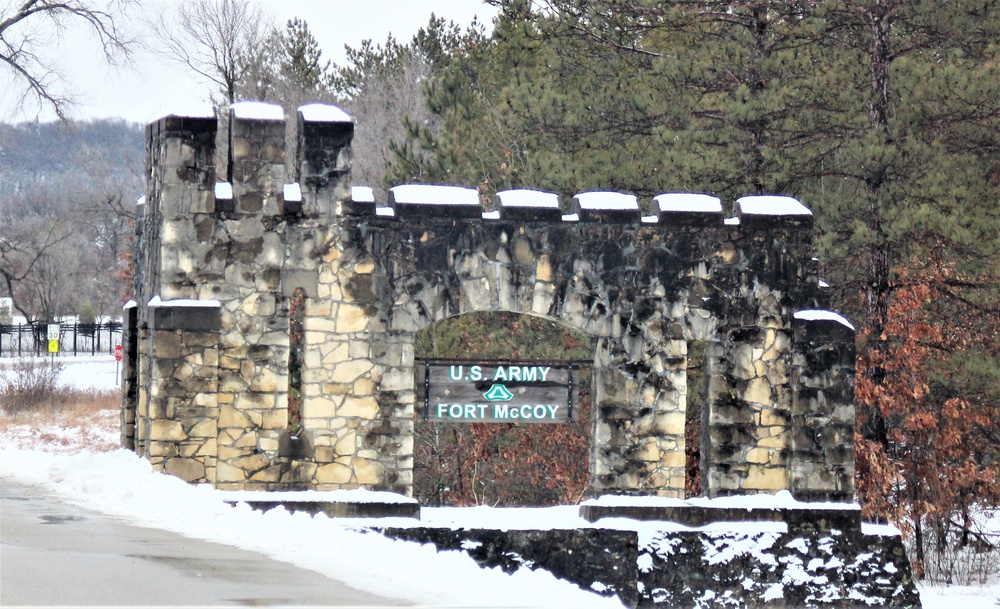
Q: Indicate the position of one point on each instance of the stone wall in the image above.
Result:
(665, 567)
(315, 298)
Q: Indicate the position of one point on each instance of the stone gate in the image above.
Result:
(271, 342)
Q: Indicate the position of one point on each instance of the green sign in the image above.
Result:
(475, 392)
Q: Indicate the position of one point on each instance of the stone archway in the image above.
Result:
(221, 395)
(509, 464)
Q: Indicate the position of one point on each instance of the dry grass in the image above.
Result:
(36, 413)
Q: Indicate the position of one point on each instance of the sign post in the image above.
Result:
(489, 392)
(52, 331)
(118, 359)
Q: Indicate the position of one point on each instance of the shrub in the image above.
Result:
(28, 384)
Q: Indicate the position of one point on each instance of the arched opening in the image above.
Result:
(503, 463)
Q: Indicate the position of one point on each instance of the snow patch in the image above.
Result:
(607, 201)
(822, 315)
(428, 194)
(324, 113)
(362, 194)
(688, 202)
(292, 192)
(780, 500)
(645, 562)
(255, 110)
(771, 205)
(491, 215)
(884, 530)
(528, 198)
(346, 496)
(183, 302)
(223, 190)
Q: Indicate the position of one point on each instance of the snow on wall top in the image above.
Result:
(292, 192)
(686, 201)
(358, 495)
(780, 500)
(223, 190)
(362, 194)
(193, 109)
(427, 194)
(183, 302)
(528, 198)
(771, 205)
(604, 201)
(822, 315)
(324, 113)
(260, 111)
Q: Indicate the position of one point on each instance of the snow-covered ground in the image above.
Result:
(75, 461)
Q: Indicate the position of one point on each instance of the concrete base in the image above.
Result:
(332, 507)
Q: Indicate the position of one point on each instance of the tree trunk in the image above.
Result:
(877, 288)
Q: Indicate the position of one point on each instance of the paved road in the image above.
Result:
(56, 554)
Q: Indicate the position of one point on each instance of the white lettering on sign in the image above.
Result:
(519, 373)
(537, 412)
(455, 373)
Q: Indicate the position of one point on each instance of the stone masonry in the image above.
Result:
(272, 343)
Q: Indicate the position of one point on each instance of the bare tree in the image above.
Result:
(27, 27)
(223, 41)
(377, 107)
(27, 248)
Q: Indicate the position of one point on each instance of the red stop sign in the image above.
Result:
(118, 353)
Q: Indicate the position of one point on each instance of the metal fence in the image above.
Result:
(17, 340)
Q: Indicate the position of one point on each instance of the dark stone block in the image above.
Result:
(611, 216)
(530, 214)
(412, 211)
(185, 125)
(672, 219)
(190, 318)
(295, 447)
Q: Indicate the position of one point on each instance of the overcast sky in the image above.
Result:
(151, 87)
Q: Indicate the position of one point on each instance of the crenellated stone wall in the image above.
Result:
(284, 311)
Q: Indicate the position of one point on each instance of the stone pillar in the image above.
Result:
(357, 393)
(130, 374)
(822, 446)
(182, 412)
(748, 421)
(253, 362)
(637, 444)
(180, 176)
(180, 187)
(323, 157)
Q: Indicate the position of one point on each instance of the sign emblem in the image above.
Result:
(498, 393)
